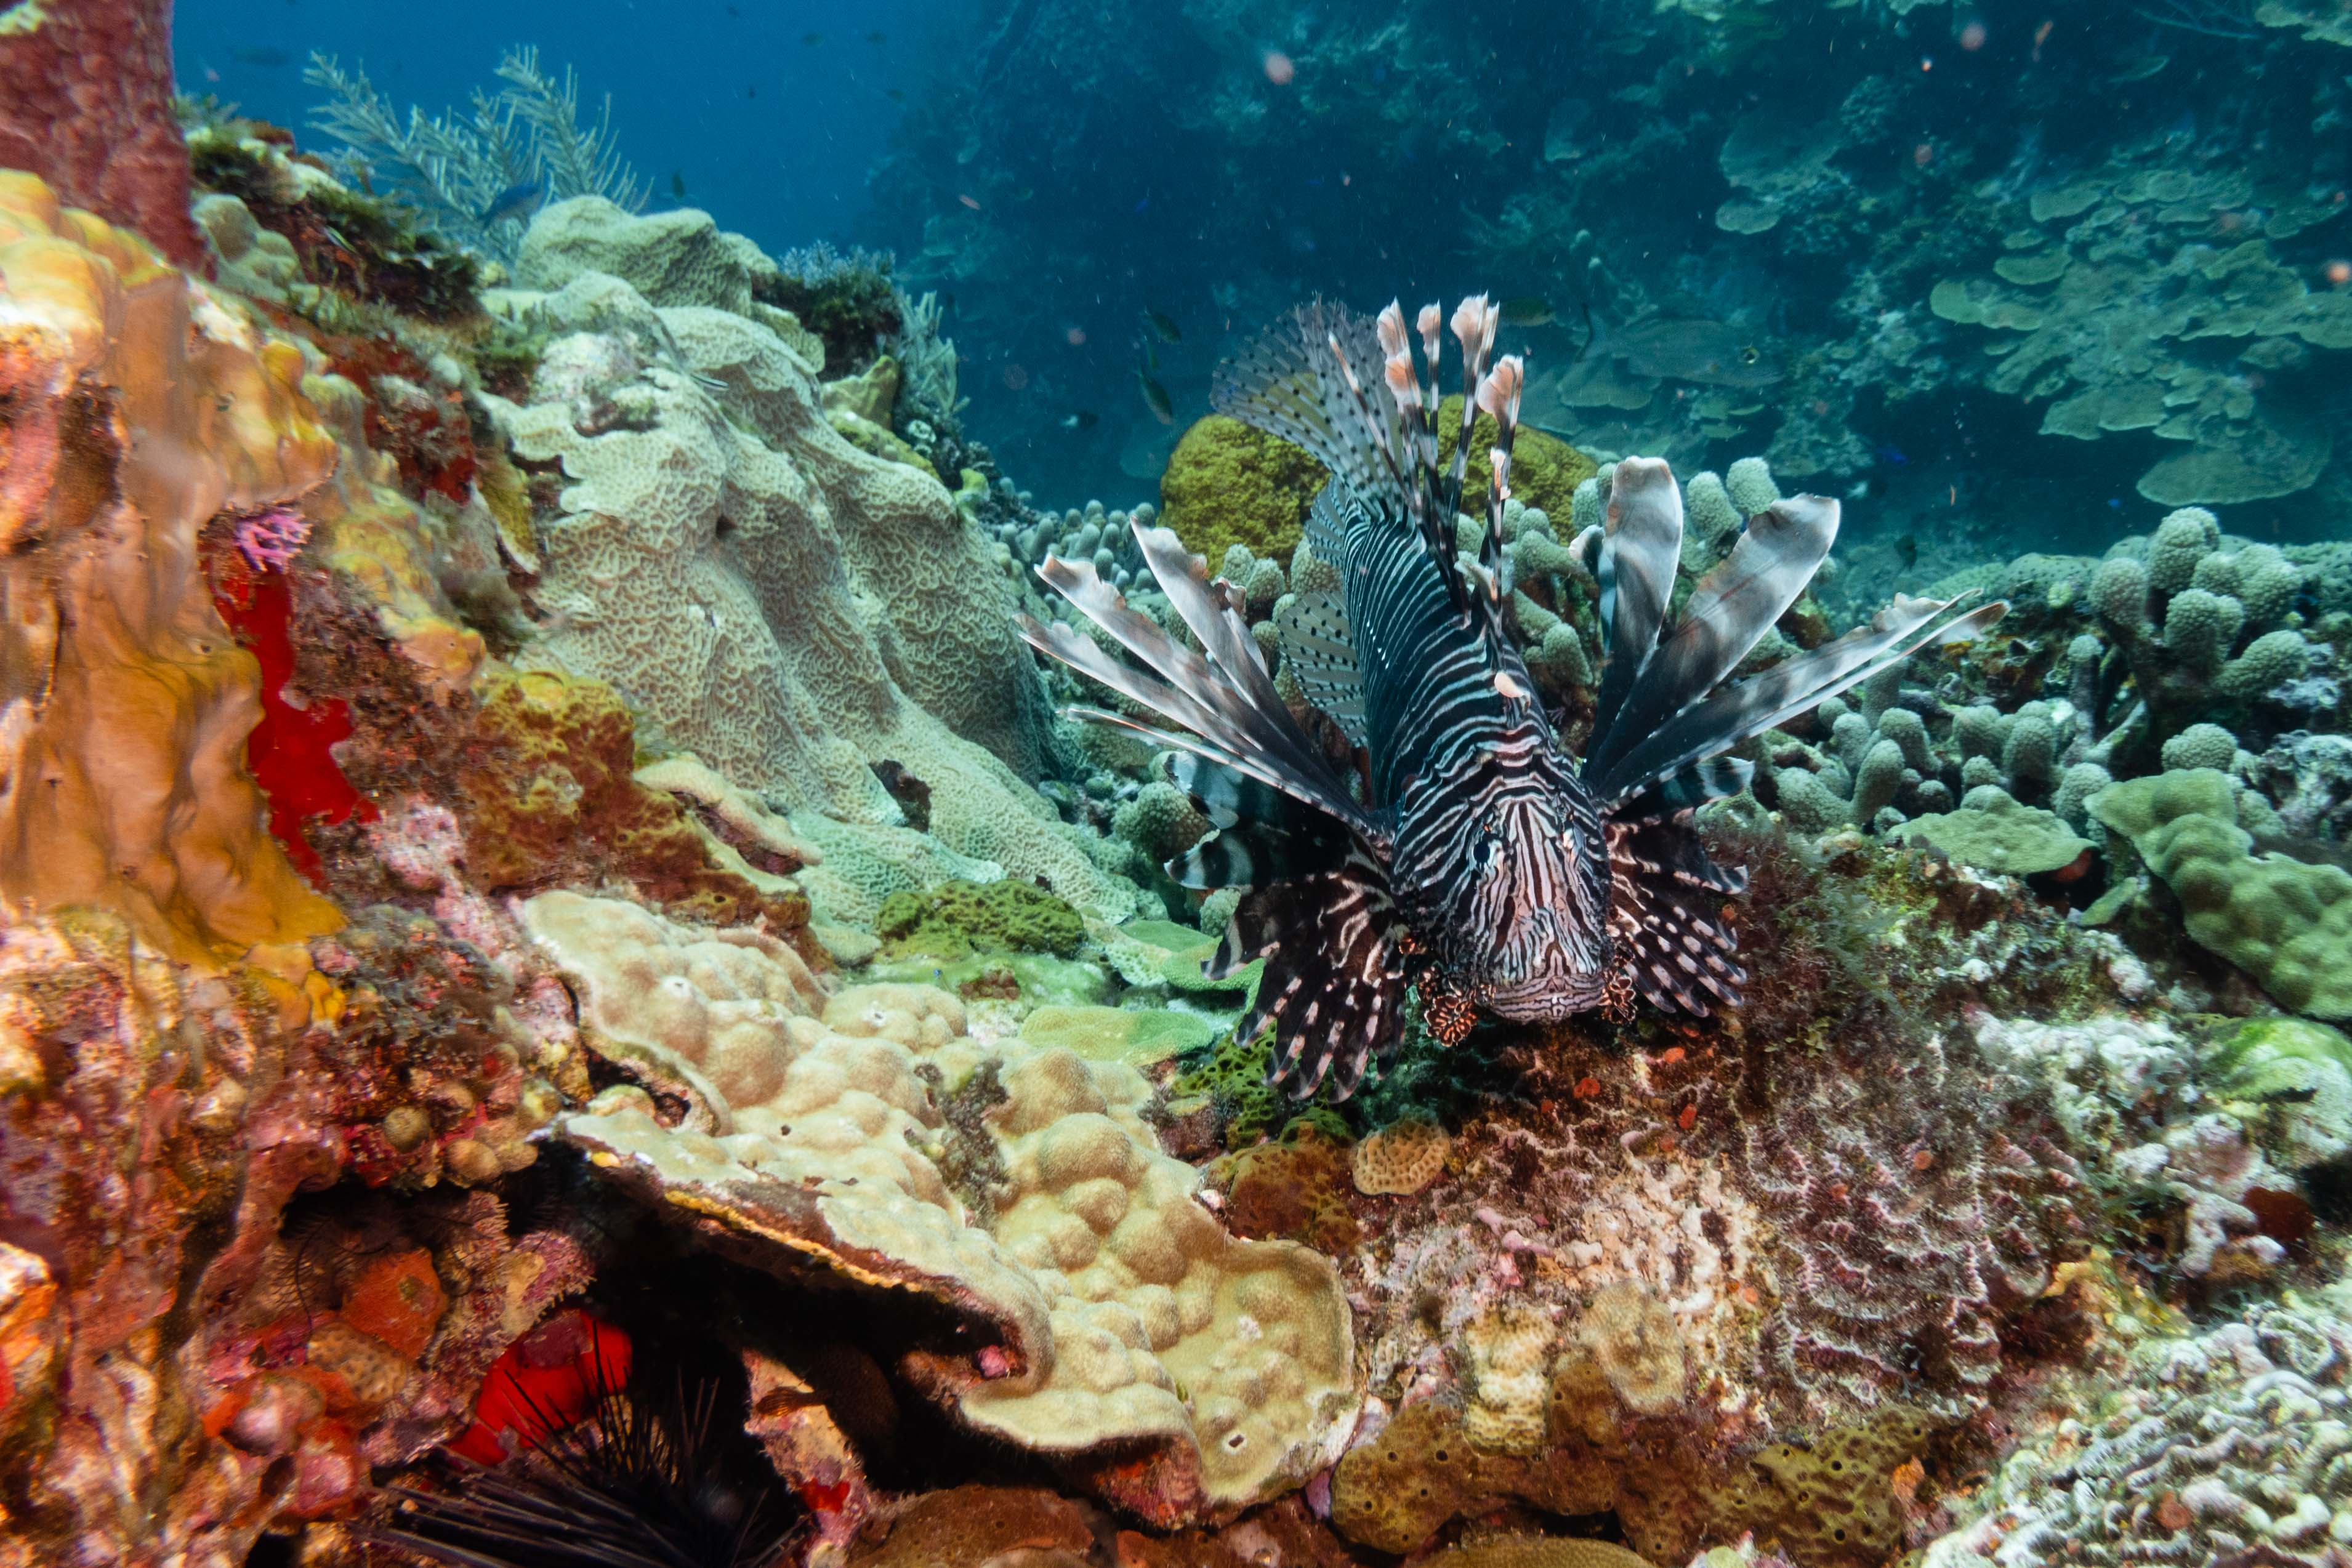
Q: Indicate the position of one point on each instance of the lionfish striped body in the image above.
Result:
(1483, 865)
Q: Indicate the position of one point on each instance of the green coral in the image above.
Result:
(958, 919)
(1545, 470)
(1232, 484)
(1138, 1035)
(2293, 1081)
(1999, 836)
(1234, 1078)
(2285, 923)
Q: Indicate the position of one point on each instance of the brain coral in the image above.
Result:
(789, 608)
(138, 405)
(1232, 484)
(1181, 1373)
(1402, 1158)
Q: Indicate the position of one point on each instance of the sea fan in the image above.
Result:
(644, 1482)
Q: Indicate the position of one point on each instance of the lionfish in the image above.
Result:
(1479, 864)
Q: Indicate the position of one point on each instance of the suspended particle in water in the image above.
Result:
(2339, 273)
(1076, 337)
(1973, 34)
(1279, 68)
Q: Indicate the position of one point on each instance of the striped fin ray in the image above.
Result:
(1674, 799)
(1668, 917)
(1260, 836)
(1334, 984)
(1304, 380)
(1224, 697)
(1638, 557)
(1722, 721)
(1319, 646)
(1732, 607)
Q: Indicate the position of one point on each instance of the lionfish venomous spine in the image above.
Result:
(1481, 864)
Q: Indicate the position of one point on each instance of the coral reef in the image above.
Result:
(1231, 483)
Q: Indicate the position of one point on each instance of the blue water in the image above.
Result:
(772, 133)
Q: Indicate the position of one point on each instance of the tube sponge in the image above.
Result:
(2202, 746)
(1878, 780)
(1908, 731)
(2270, 659)
(1750, 484)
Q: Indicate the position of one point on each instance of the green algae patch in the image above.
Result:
(2292, 1080)
(1139, 1037)
(2003, 837)
(1545, 470)
(1231, 483)
(1038, 979)
(959, 919)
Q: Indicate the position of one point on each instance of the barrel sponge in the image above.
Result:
(2284, 922)
(1228, 483)
(1206, 1372)
(2184, 539)
(2202, 746)
(2270, 660)
(1750, 484)
(2119, 592)
(139, 404)
(2199, 627)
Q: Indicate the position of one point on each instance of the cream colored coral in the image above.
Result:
(1128, 1314)
(787, 606)
(1639, 1347)
(1508, 1356)
(1402, 1158)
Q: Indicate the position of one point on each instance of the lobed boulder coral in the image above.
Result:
(1181, 1373)
(2286, 923)
(715, 536)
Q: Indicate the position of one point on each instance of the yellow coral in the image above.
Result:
(1232, 484)
(1402, 1158)
(139, 408)
(1508, 1352)
(1639, 1347)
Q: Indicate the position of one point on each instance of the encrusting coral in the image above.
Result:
(1123, 1318)
(140, 408)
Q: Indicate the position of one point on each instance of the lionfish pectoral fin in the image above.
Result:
(1728, 611)
(1639, 554)
(1258, 836)
(1222, 695)
(1712, 727)
(1669, 918)
(1334, 984)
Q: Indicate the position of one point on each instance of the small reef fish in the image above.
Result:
(677, 185)
(1163, 327)
(1481, 864)
(515, 202)
(1527, 311)
(1155, 398)
(1707, 352)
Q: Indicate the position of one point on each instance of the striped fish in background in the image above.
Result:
(1477, 863)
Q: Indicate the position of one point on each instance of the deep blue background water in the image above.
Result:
(772, 134)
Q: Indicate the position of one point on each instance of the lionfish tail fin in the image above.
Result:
(1334, 986)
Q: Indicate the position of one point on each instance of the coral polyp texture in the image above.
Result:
(1123, 1318)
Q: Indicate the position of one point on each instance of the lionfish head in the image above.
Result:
(1526, 936)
